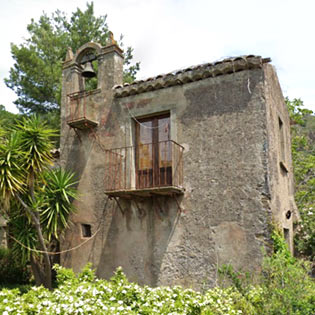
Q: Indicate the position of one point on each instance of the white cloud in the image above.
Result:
(172, 34)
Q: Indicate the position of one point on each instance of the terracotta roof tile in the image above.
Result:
(191, 74)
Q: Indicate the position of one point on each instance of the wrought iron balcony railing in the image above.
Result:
(144, 169)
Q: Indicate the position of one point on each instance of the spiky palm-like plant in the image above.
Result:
(41, 194)
(12, 173)
(59, 193)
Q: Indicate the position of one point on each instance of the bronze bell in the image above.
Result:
(88, 71)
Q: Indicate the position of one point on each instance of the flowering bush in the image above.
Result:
(285, 288)
(84, 294)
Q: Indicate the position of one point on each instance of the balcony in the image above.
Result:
(144, 170)
(80, 110)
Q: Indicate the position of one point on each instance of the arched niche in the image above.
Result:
(88, 53)
(85, 49)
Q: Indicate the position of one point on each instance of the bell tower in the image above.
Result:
(92, 71)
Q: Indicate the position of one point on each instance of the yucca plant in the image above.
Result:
(59, 192)
(12, 172)
(42, 195)
(36, 143)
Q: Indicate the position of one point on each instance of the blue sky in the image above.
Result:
(173, 34)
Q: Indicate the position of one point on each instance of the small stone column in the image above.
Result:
(111, 60)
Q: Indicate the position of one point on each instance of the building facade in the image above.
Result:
(178, 174)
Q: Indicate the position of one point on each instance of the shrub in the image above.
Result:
(84, 294)
(287, 286)
(283, 288)
(11, 271)
(284, 285)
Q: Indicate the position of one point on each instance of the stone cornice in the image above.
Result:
(112, 48)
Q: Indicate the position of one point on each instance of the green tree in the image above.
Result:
(303, 154)
(36, 74)
(7, 119)
(36, 198)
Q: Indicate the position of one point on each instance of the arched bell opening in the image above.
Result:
(89, 65)
(87, 59)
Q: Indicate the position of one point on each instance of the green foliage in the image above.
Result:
(36, 74)
(303, 154)
(284, 285)
(35, 142)
(52, 120)
(296, 111)
(83, 294)
(12, 175)
(7, 119)
(12, 271)
(24, 232)
(64, 275)
(287, 286)
(241, 281)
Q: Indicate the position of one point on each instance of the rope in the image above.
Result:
(53, 253)
(63, 251)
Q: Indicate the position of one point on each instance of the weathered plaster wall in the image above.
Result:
(280, 164)
(221, 123)
(226, 127)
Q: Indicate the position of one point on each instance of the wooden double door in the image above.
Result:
(153, 152)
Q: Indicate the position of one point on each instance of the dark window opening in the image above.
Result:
(284, 168)
(282, 140)
(86, 230)
(153, 152)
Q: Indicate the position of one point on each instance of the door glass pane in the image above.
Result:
(145, 145)
(164, 145)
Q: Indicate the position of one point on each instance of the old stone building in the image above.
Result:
(178, 174)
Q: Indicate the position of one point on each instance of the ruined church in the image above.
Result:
(177, 174)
